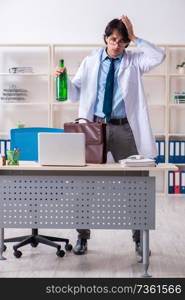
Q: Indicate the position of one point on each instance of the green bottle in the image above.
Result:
(61, 84)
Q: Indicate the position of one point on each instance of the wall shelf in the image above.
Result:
(41, 108)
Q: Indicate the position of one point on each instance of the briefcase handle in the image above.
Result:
(78, 119)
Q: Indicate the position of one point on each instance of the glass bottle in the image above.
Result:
(61, 84)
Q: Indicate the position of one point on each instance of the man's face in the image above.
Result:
(115, 44)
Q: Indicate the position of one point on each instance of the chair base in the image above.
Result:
(35, 239)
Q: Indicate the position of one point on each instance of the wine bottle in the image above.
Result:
(61, 84)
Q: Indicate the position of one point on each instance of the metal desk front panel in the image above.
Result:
(73, 200)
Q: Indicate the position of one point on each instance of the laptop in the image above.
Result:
(61, 149)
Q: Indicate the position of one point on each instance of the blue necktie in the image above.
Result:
(109, 88)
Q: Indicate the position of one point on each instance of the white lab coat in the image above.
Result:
(83, 87)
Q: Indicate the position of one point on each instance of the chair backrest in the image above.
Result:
(26, 139)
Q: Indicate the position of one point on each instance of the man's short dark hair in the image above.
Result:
(119, 26)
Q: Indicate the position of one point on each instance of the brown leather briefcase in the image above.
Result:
(95, 136)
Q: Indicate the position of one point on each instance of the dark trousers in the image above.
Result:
(121, 144)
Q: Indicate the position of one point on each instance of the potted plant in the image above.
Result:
(181, 68)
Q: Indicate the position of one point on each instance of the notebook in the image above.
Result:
(61, 149)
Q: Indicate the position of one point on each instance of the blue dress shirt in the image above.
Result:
(118, 106)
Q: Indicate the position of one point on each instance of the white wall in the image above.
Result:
(84, 21)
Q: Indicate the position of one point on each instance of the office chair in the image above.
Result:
(26, 139)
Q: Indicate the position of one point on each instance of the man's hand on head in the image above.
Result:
(129, 27)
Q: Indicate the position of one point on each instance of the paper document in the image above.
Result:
(137, 161)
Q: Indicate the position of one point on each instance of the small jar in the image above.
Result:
(3, 157)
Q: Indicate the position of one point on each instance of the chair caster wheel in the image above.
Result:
(60, 253)
(34, 244)
(68, 247)
(4, 248)
(17, 254)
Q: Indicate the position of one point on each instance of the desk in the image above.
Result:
(106, 196)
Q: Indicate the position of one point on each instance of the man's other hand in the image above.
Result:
(59, 71)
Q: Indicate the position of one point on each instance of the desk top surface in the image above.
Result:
(28, 165)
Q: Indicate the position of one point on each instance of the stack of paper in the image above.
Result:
(14, 94)
(137, 161)
(21, 70)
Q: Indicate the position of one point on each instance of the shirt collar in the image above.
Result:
(105, 55)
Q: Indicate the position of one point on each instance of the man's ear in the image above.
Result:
(106, 39)
(127, 45)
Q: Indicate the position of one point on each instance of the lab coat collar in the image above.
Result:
(124, 61)
(123, 65)
(105, 55)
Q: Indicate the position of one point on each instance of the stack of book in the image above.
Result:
(179, 98)
(137, 161)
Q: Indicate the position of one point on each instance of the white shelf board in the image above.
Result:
(66, 103)
(25, 45)
(159, 134)
(24, 74)
(177, 75)
(24, 103)
(176, 134)
(154, 75)
(178, 106)
(156, 104)
(176, 195)
(78, 45)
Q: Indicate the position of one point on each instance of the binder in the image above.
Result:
(158, 151)
(7, 145)
(182, 182)
(182, 152)
(177, 182)
(162, 151)
(2, 147)
(171, 182)
(171, 151)
(177, 152)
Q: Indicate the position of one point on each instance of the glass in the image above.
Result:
(113, 41)
(13, 157)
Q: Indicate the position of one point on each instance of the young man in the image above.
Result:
(109, 87)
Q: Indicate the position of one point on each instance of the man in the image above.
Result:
(109, 87)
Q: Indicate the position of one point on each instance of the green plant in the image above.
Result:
(181, 65)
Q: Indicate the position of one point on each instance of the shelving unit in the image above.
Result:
(41, 108)
(35, 109)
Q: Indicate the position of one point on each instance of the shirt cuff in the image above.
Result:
(138, 41)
